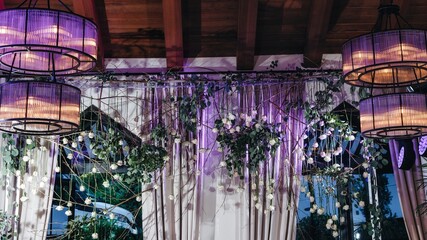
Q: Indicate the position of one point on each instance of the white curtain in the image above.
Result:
(28, 195)
(193, 198)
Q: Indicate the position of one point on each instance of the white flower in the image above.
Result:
(334, 217)
(322, 137)
(94, 170)
(321, 123)
(74, 145)
(315, 206)
(304, 136)
(271, 208)
(177, 140)
(338, 204)
(116, 176)
(112, 216)
(232, 130)
(29, 141)
(327, 158)
(25, 158)
(64, 141)
(328, 226)
(311, 199)
(138, 199)
(303, 189)
(57, 169)
(82, 188)
(171, 197)
(220, 187)
(121, 142)
(106, 184)
(94, 235)
(310, 160)
(272, 142)
(35, 173)
(166, 158)
(156, 186)
(342, 219)
(365, 165)
(88, 201)
(330, 221)
(219, 149)
(91, 135)
(322, 154)
(70, 156)
(231, 116)
(258, 205)
(365, 174)
(222, 163)
(264, 118)
(320, 211)
(93, 214)
(308, 194)
(335, 234)
(23, 198)
(69, 204)
(312, 210)
(80, 138)
(361, 204)
(248, 119)
(214, 130)
(113, 166)
(42, 185)
(346, 207)
(68, 213)
(257, 125)
(59, 208)
(18, 173)
(270, 196)
(194, 141)
(315, 145)
(334, 227)
(351, 137)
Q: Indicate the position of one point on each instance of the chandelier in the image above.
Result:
(39, 107)
(44, 41)
(389, 56)
(397, 115)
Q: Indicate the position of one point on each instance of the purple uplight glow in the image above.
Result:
(44, 41)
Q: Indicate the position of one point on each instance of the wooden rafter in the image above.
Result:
(95, 10)
(246, 34)
(172, 22)
(320, 15)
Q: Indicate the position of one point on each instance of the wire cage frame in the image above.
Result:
(39, 108)
(40, 41)
(397, 115)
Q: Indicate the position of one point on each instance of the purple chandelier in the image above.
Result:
(37, 41)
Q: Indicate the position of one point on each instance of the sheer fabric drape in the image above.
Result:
(29, 195)
(410, 195)
(193, 198)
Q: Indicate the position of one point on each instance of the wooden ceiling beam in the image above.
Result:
(246, 34)
(172, 21)
(317, 28)
(95, 10)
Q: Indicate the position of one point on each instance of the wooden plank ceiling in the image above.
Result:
(179, 29)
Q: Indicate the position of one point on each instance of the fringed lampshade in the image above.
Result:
(37, 41)
(39, 108)
(398, 115)
(386, 58)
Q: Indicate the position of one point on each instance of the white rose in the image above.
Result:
(64, 141)
(310, 160)
(112, 216)
(94, 235)
(91, 135)
(214, 130)
(29, 141)
(346, 207)
(59, 208)
(320, 211)
(362, 204)
(68, 213)
(106, 184)
(335, 234)
(334, 217)
(74, 145)
(322, 137)
(82, 188)
(351, 137)
(80, 138)
(365, 174)
(57, 169)
(88, 201)
(311, 199)
(113, 166)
